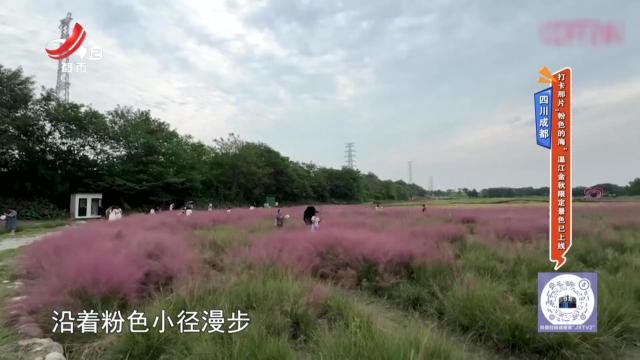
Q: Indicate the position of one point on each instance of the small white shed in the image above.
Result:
(85, 206)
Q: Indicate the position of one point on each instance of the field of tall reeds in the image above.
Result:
(453, 282)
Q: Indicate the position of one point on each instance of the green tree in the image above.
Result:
(151, 163)
(634, 187)
(51, 149)
(16, 96)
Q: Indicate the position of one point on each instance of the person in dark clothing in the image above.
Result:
(309, 212)
(279, 219)
(11, 218)
(424, 207)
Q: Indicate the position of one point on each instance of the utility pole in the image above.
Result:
(431, 183)
(350, 155)
(62, 82)
(410, 179)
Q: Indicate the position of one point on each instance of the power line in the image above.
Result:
(350, 155)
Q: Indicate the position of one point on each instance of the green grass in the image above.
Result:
(472, 201)
(8, 338)
(216, 241)
(286, 323)
(532, 200)
(491, 298)
(34, 227)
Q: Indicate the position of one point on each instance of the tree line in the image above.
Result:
(508, 192)
(51, 149)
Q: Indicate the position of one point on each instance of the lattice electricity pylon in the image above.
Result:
(350, 155)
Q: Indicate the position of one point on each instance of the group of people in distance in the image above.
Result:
(113, 213)
(310, 217)
(187, 209)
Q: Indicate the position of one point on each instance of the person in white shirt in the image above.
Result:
(210, 208)
(112, 215)
(315, 221)
(115, 214)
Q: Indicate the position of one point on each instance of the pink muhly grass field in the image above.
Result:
(304, 250)
(348, 241)
(620, 216)
(351, 237)
(121, 261)
(127, 260)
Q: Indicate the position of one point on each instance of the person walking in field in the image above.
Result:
(10, 218)
(315, 221)
(115, 214)
(112, 214)
(309, 212)
(424, 207)
(279, 219)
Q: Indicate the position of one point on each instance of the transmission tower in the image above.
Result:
(430, 183)
(62, 83)
(410, 172)
(350, 155)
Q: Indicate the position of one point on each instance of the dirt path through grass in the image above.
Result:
(9, 243)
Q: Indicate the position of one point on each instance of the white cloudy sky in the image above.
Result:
(446, 84)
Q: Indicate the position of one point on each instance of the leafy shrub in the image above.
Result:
(38, 209)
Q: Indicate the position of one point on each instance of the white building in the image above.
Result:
(85, 206)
